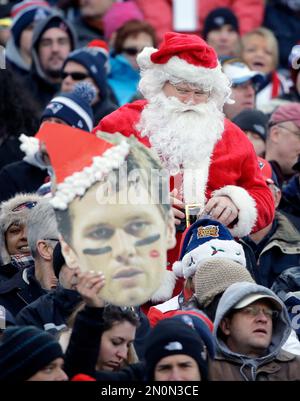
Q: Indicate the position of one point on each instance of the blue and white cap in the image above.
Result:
(73, 108)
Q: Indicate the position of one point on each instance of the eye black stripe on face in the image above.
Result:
(147, 240)
(97, 251)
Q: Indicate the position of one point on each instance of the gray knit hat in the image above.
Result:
(15, 210)
(213, 276)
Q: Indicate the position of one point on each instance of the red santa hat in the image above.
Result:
(184, 57)
(79, 159)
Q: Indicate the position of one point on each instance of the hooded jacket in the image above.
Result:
(275, 365)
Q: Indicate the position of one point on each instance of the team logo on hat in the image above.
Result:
(208, 231)
(55, 107)
(174, 346)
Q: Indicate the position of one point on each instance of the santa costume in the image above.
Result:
(212, 155)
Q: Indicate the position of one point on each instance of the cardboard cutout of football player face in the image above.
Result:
(126, 242)
(117, 226)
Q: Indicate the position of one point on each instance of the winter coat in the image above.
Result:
(280, 250)
(123, 79)
(51, 311)
(20, 290)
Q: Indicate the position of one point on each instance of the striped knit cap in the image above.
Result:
(24, 350)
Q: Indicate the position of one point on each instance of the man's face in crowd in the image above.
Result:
(72, 74)
(286, 143)
(16, 240)
(224, 40)
(126, 242)
(249, 330)
(53, 49)
(244, 96)
(177, 368)
(94, 8)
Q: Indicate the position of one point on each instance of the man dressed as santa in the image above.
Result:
(182, 119)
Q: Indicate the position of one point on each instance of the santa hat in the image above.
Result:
(79, 159)
(206, 239)
(184, 57)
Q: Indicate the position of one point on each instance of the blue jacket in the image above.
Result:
(123, 79)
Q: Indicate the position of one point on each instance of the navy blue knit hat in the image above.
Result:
(218, 18)
(74, 108)
(25, 13)
(95, 61)
(173, 337)
(24, 350)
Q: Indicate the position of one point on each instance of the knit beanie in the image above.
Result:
(74, 108)
(213, 276)
(219, 17)
(172, 337)
(95, 61)
(253, 120)
(15, 210)
(205, 239)
(118, 15)
(58, 259)
(25, 13)
(24, 350)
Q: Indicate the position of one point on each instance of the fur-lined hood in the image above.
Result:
(8, 217)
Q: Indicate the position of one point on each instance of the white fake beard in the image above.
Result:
(182, 134)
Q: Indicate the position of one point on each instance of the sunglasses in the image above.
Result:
(76, 76)
(24, 205)
(131, 51)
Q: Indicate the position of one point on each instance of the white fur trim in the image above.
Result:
(144, 58)
(79, 182)
(215, 248)
(178, 268)
(246, 205)
(29, 145)
(166, 288)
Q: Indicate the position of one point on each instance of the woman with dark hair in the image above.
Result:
(17, 115)
(114, 326)
(130, 40)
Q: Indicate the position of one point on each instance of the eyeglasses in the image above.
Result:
(297, 133)
(24, 205)
(131, 51)
(76, 76)
(256, 310)
(51, 239)
(184, 91)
